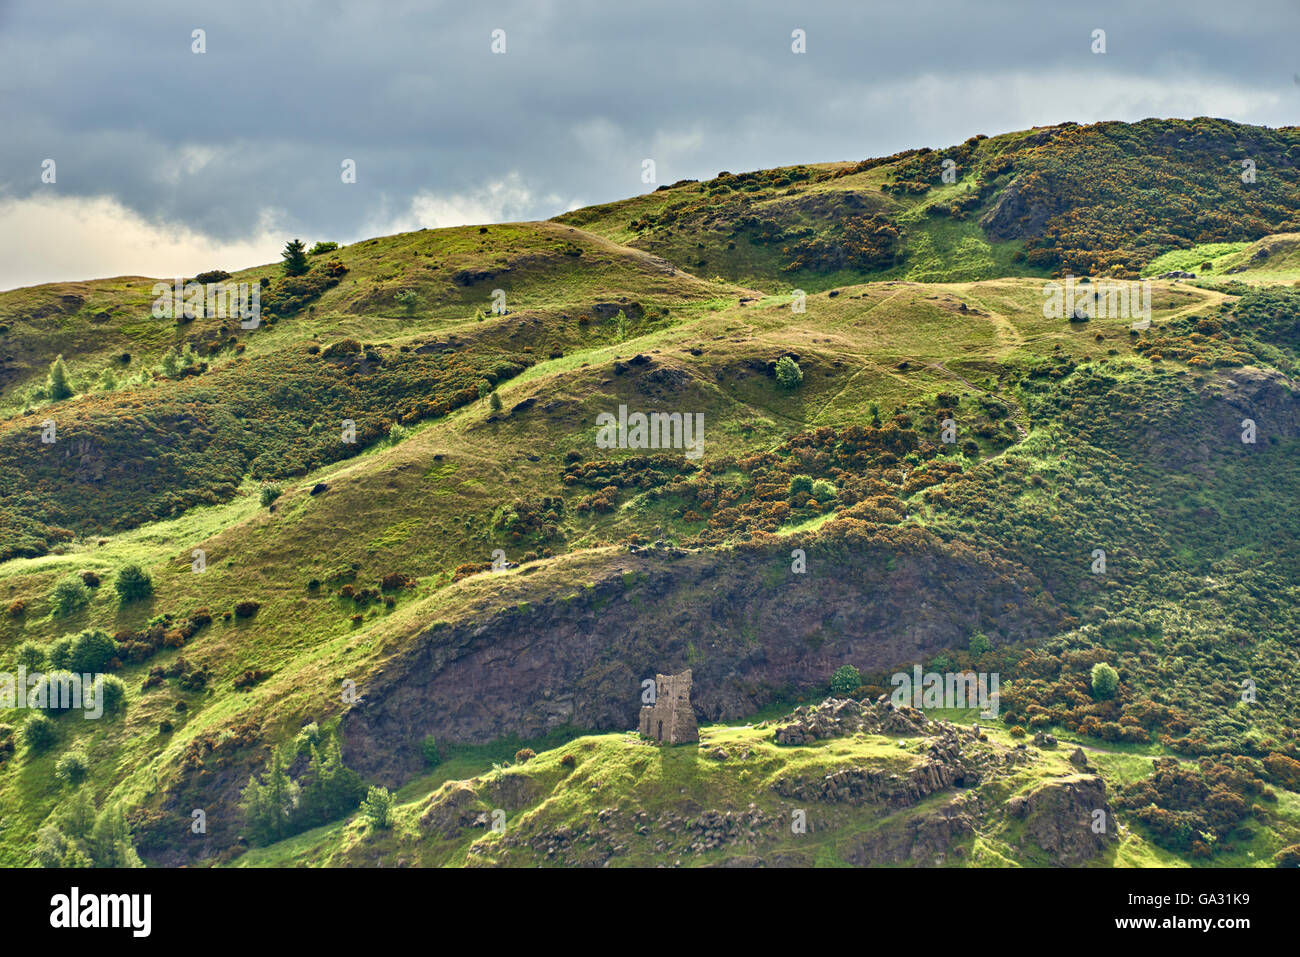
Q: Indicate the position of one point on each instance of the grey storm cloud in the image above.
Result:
(243, 143)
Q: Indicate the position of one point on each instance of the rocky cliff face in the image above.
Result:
(748, 627)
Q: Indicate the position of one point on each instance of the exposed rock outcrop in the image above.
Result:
(579, 659)
(1070, 818)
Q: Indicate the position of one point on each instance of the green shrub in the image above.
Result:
(408, 300)
(39, 734)
(323, 247)
(70, 594)
(91, 652)
(307, 738)
(133, 584)
(114, 692)
(60, 653)
(824, 491)
(979, 643)
(31, 655)
(56, 689)
(801, 483)
(1105, 681)
(788, 373)
(846, 680)
(72, 768)
(377, 808)
(429, 750)
(269, 494)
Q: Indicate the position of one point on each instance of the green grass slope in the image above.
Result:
(476, 436)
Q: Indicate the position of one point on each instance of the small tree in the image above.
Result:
(377, 808)
(31, 655)
(408, 300)
(979, 643)
(846, 680)
(133, 584)
(113, 691)
(91, 651)
(788, 373)
(495, 401)
(58, 385)
(39, 733)
(110, 840)
(1105, 681)
(295, 258)
(323, 247)
(429, 750)
(331, 791)
(72, 768)
(269, 494)
(270, 803)
(70, 594)
(60, 653)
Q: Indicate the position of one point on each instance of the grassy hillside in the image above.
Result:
(1103, 199)
(299, 579)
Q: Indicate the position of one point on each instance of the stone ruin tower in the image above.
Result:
(671, 717)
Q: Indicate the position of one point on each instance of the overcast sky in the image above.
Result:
(172, 161)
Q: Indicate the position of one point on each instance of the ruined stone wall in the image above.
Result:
(671, 718)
